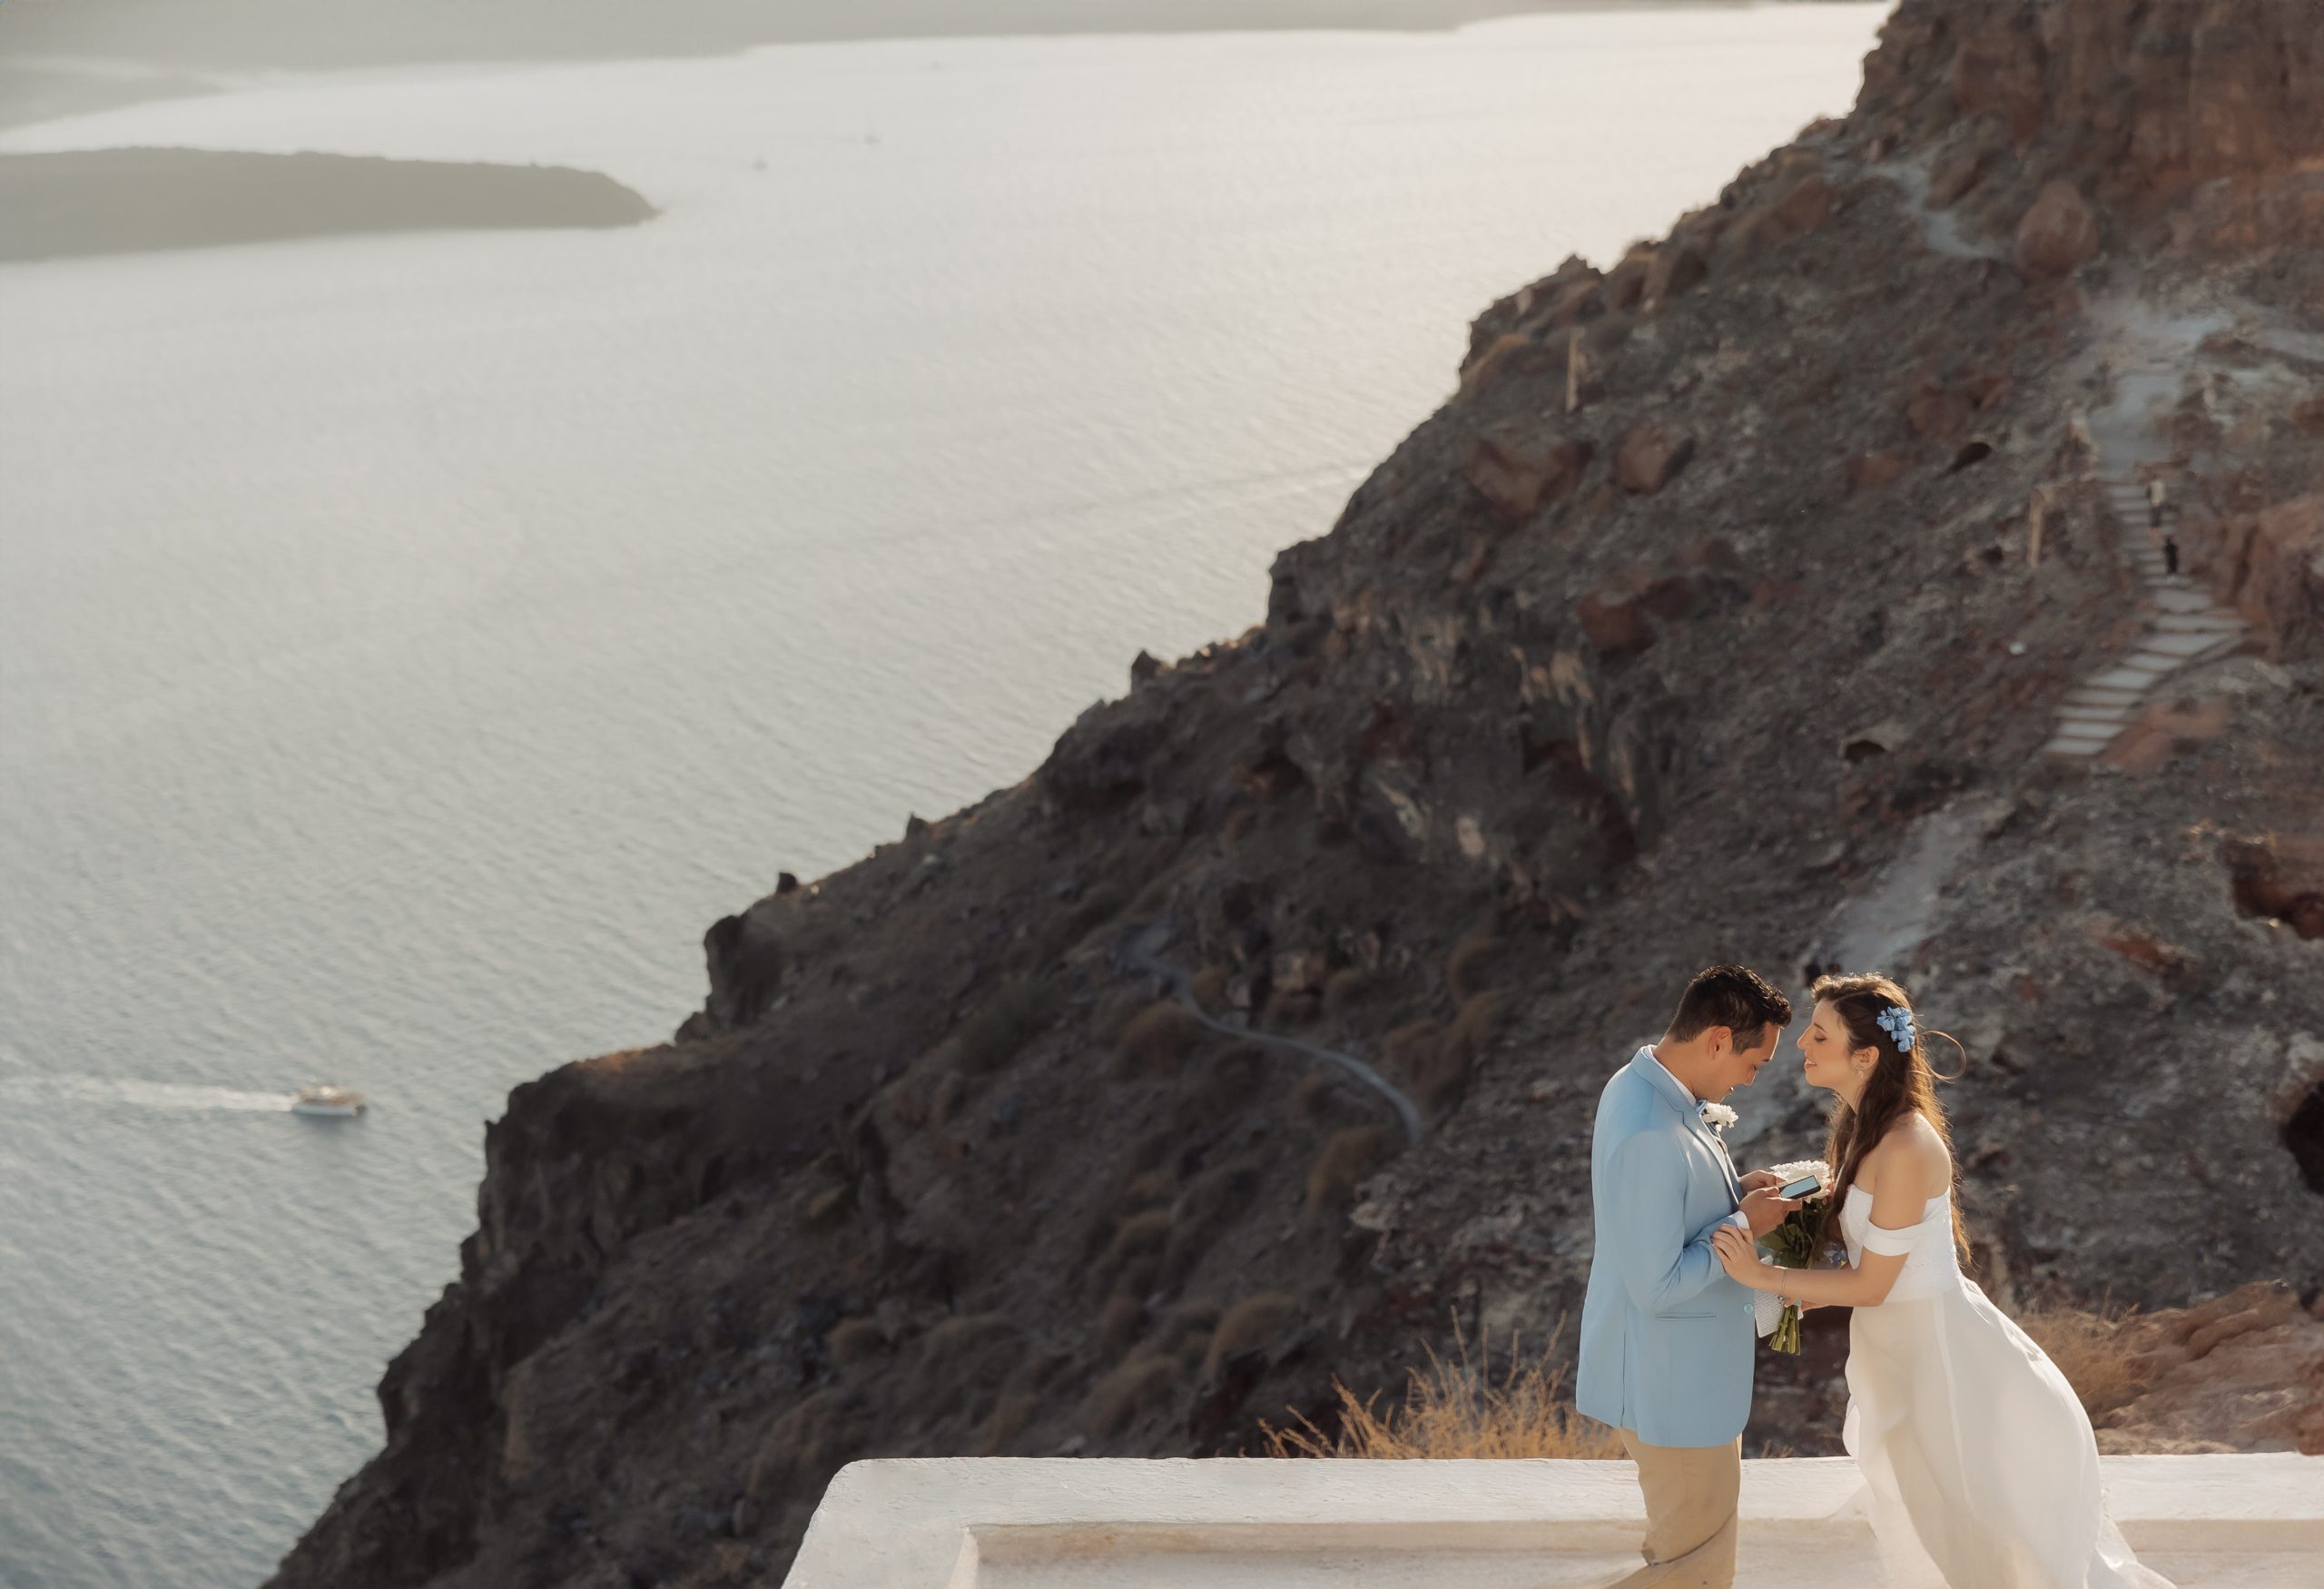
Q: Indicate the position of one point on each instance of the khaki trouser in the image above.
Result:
(1691, 1493)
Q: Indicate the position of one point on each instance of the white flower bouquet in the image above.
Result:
(1792, 1244)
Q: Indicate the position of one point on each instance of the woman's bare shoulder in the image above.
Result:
(1912, 1150)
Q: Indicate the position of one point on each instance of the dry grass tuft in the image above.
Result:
(828, 1208)
(1346, 1158)
(1149, 1189)
(1246, 1326)
(1010, 1415)
(800, 1445)
(1142, 1232)
(1409, 1047)
(1208, 985)
(1003, 1024)
(1159, 1036)
(1129, 1390)
(960, 1354)
(1291, 1007)
(1344, 989)
(2092, 1349)
(1454, 1410)
(1465, 967)
(1122, 1321)
(1446, 1069)
(1114, 1010)
(851, 1340)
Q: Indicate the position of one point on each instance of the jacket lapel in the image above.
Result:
(1690, 1113)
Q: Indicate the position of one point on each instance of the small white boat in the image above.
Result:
(326, 1099)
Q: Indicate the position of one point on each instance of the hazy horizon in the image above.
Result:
(67, 57)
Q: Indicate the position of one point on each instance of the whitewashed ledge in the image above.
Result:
(2256, 1521)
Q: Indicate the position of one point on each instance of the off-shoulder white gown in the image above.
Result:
(1978, 1460)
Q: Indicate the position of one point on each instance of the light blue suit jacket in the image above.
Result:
(1666, 1335)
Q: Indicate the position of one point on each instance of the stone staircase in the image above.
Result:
(2184, 626)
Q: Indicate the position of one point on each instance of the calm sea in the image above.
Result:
(410, 645)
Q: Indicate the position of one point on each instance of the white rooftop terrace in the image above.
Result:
(2255, 1521)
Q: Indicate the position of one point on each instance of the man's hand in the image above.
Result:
(1758, 1179)
(1766, 1211)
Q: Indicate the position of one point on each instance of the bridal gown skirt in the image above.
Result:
(1978, 1461)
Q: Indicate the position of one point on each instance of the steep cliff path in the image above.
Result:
(2150, 358)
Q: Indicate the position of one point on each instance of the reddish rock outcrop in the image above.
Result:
(2059, 233)
(2270, 564)
(1517, 468)
(1650, 456)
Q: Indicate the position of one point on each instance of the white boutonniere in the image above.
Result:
(1717, 1116)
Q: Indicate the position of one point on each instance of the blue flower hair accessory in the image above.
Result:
(1898, 1022)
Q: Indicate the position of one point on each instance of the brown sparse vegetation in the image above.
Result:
(1128, 1391)
(2091, 1349)
(1344, 989)
(1412, 1047)
(1159, 1035)
(1465, 968)
(1010, 1414)
(1246, 1326)
(960, 1354)
(1454, 1410)
(1122, 1321)
(1138, 1233)
(1445, 1071)
(1208, 985)
(1346, 1158)
(851, 1340)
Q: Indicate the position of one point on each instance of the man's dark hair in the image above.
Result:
(1733, 996)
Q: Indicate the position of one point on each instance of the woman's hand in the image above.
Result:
(1740, 1254)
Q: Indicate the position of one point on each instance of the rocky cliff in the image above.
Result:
(1725, 611)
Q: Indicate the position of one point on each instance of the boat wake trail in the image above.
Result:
(103, 1089)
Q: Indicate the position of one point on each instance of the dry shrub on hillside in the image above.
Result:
(1208, 985)
(1409, 1047)
(1159, 1036)
(1010, 1415)
(1142, 1232)
(1128, 1391)
(1465, 967)
(960, 1354)
(1447, 1068)
(2092, 1349)
(1149, 1189)
(1344, 989)
(828, 1208)
(1114, 1010)
(1246, 1326)
(1308, 1093)
(1346, 1158)
(1187, 1334)
(1003, 1024)
(851, 1340)
(1454, 1410)
(802, 1445)
(1122, 1321)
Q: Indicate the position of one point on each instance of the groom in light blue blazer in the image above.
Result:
(1666, 1336)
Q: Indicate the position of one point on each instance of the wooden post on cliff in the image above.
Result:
(1573, 370)
(2036, 514)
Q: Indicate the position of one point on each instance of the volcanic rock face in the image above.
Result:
(1572, 700)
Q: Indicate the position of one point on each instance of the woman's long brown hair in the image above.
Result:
(1900, 1084)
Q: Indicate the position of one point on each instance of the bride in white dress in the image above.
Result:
(1978, 1458)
